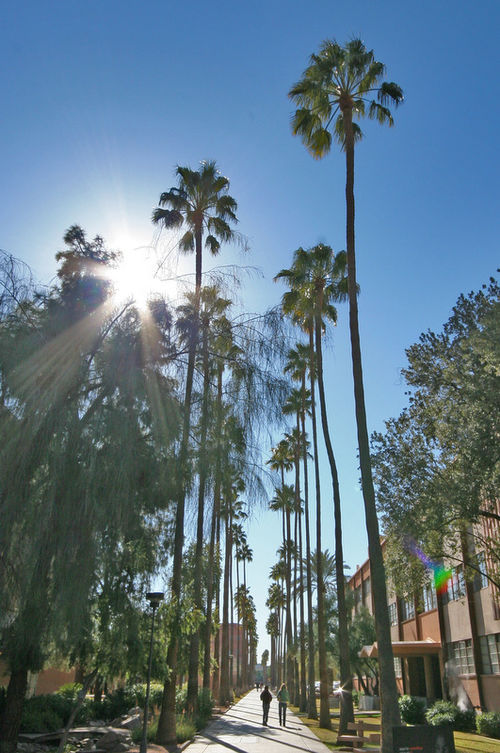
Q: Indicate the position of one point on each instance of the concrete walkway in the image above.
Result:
(240, 730)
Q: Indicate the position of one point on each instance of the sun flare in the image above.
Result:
(134, 278)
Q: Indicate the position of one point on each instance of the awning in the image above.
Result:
(404, 648)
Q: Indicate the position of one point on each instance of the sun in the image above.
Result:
(134, 279)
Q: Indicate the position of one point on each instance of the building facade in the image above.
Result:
(447, 649)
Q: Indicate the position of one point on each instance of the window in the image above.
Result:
(397, 666)
(407, 608)
(357, 599)
(393, 613)
(456, 587)
(461, 653)
(482, 580)
(490, 653)
(366, 590)
(429, 600)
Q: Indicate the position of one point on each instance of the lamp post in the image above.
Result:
(154, 599)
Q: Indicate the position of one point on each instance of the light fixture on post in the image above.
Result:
(154, 599)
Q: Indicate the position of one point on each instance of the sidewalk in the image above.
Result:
(240, 730)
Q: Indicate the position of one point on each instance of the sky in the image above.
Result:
(101, 100)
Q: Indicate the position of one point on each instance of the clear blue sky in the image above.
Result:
(100, 100)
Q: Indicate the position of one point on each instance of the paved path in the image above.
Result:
(240, 730)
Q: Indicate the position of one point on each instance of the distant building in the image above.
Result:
(468, 632)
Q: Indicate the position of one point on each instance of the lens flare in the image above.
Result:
(441, 574)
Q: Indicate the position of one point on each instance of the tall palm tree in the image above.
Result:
(317, 279)
(297, 366)
(212, 318)
(338, 84)
(202, 204)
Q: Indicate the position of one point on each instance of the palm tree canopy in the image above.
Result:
(317, 278)
(340, 79)
(201, 202)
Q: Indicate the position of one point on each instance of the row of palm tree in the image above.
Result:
(340, 85)
(201, 205)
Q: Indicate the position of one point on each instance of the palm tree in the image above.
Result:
(284, 500)
(202, 203)
(316, 279)
(212, 318)
(297, 365)
(340, 82)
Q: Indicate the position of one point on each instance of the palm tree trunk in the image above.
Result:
(303, 682)
(312, 711)
(388, 688)
(166, 734)
(290, 678)
(216, 528)
(346, 707)
(210, 596)
(324, 711)
(224, 695)
(194, 648)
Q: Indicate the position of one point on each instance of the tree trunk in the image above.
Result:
(324, 710)
(346, 707)
(166, 734)
(312, 711)
(79, 703)
(194, 648)
(224, 695)
(290, 679)
(388, 688)
(10, 719)
(214, 546)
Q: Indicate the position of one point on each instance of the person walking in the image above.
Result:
(283, 698)
(266, 699)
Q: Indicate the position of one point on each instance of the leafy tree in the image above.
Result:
(65, 406)
(436, 465)
(334, 88)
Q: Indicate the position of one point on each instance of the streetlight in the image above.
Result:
(154, 599)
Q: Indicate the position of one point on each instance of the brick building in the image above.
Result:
(467, 631)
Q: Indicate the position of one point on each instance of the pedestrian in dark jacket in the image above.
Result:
(266, 699)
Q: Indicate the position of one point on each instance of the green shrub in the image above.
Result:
(489, 724)
(412, 710)
(114, 704)
(155, 694)
(355, 697)
(445, 712)
(181, 701)
(136, 733)
(70, 691)
(185, 729)
(40, 716)
(205, 707)
(45, 713)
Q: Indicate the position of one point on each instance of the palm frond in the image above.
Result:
(168, 218)
(391, 93)
(212, 244)
(220, 228)
(186, 243)
(380, 113)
